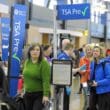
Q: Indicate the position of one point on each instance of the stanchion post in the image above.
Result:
(55, 33)
(55, 49)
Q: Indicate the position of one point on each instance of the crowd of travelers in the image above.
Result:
(95, 79)
(90, 62)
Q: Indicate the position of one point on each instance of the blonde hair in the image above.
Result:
(91, 47)
(101, 51)
(88, 46)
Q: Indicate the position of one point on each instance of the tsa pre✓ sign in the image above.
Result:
(77, 11)
(5, 32)
(18, 34)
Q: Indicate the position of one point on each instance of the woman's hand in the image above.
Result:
(94, 84)
(20, 93)
(45, 100)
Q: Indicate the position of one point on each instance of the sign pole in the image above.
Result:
(89, 30)
(55, 33)
(54, 49)
(10, 45)
(89, 25)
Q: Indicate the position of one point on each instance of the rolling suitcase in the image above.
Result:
(49, 106)
(4, 106)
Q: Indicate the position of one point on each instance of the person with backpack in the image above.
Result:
(99, 81)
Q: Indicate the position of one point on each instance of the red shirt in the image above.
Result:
(20, 84)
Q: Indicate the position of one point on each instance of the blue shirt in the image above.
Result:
(81, 54)
(64, 56)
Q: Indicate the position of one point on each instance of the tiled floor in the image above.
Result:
(76, 100)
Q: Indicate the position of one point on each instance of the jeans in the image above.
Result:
(86, 104)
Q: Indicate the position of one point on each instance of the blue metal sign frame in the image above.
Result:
(76, 11)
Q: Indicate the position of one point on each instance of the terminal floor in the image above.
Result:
(76, 100)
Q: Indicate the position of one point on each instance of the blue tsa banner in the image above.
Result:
(76, 11)
(5, 33)
(18, 36)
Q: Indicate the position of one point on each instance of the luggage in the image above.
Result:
(4, 106)
(49, 106)
(19, 103)
(7, 103)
